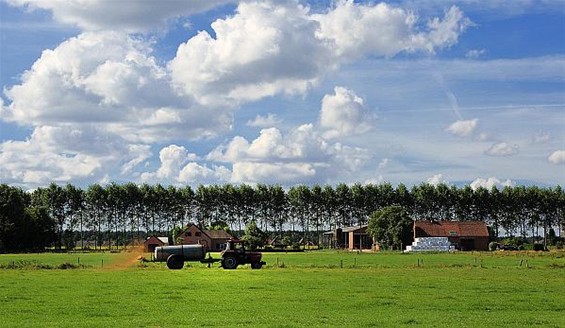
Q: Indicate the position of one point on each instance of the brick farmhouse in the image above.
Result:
(214, 240)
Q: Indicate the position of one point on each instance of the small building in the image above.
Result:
(151, 242)
(351, 238)
(214, 240)
(85, 244)
(464, 235)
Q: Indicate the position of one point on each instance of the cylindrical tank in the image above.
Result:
(188, 252)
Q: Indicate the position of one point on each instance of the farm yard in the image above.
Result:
(318, 288)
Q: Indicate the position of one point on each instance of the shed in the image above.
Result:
(465, 235)
(351, 238)
(153, 241)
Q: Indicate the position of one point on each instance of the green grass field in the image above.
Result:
(306, 289)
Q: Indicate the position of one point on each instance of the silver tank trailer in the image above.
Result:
(188, 252)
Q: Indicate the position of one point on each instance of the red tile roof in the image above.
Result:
(157, 240)
(450, 229)
(212, 234)
(217, 234)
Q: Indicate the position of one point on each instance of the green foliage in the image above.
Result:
(219, 225)
(254, 238)
(390, 227)
(514, 241)
(286, 240)
(23, 227)
(175, 235)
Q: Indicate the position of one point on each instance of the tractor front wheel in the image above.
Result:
(256, 265)
(229, 262)
(175, 262)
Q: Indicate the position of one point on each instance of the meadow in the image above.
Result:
(503, 289)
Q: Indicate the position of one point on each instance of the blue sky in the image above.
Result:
(287, 92)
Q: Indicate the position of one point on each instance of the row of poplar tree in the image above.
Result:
(59, 215)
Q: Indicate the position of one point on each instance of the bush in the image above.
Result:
(539, 247)
(559, 245)
(512, 241)
(527, 247)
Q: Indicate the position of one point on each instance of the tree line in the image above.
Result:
(117, 214)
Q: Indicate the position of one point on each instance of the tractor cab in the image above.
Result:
(235, 245)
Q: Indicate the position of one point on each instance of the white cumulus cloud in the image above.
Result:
(344, 113)
(463, 128)
(557, 157)
(264, 121)
(65, 154)
(381, 29)
(131, 16)
(172, 159)
(112, 79)
(298, 156)
(502, 149)
(272, 172)
(437, 179)
(177, 165)
(488, 183)
(274, 47)
(197, 173)
(266, 48)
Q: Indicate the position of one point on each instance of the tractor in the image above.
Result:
(234, 255)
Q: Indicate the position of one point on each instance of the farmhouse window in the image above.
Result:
(188, 234)
(197, 233)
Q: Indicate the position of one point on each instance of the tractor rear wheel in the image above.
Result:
(256, 265)
(175, 262)
(229, 262)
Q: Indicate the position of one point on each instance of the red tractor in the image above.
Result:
(235, 254)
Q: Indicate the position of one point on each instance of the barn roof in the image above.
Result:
(163, 240)
(450, 229)
(212, 234)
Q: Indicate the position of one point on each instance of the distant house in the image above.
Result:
(348, 237)
(85, 244)
(464, 235)
(151, 242)
(214, 240)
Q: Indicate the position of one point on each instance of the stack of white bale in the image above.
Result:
(430, 244)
